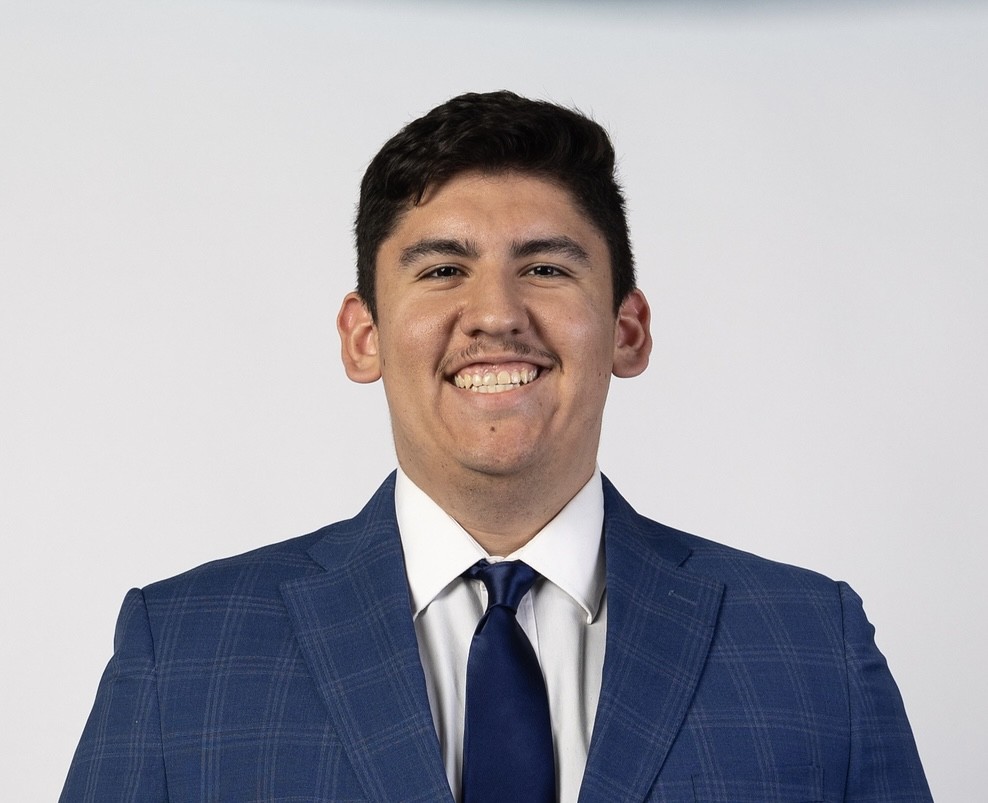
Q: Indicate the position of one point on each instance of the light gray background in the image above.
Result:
(808, 190)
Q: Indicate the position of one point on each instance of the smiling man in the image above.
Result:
(496, 333)
(497, 623)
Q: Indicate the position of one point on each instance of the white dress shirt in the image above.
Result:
(564, 616)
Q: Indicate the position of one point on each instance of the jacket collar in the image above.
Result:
(660, 624)
(354, 627)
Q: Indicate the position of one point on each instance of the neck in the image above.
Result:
(503, 513)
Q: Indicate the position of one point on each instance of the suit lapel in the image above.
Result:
(354, 627)
(660, 623)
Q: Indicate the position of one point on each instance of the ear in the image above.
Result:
(358, 340)
(632, 336)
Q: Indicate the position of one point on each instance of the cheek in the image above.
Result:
(587, 336)
(414, 339)
(425, 327)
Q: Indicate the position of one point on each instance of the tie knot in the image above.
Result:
(507, 581)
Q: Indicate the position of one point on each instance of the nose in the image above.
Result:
(494, 306)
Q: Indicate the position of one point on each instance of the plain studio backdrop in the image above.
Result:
(808, 195)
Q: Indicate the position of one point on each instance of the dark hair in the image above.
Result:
(493, 132)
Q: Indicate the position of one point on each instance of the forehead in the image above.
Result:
(508, 203)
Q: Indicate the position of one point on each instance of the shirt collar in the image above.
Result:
(568, 551)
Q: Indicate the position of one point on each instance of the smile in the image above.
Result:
(492, 380)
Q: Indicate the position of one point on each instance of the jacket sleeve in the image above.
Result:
(883, 763)
(119, 757)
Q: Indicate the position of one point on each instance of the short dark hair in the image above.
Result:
(493, 132)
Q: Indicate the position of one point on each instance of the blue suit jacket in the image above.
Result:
(292, 673)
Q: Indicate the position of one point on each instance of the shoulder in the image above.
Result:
(262, 570)
(256, 572)
(229, 606)
(738, 568)
(766, 606)
(739, 571)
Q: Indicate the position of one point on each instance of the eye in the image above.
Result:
(442, 272)
(545, 270)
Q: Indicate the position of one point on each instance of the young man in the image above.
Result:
(497, 623)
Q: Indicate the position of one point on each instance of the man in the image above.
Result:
(497, 623)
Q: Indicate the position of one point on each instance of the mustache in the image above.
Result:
(501, 346)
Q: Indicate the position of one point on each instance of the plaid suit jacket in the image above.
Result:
(291, 673)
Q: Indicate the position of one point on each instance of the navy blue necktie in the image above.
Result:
(507, 738)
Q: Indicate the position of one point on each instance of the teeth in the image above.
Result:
(495, 381)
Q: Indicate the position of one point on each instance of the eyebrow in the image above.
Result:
(560, 246)
(437, 246)
(465, 249)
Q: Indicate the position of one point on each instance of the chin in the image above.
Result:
(502, 465)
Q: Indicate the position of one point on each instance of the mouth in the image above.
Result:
(492, 378)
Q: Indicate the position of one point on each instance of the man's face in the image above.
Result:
(495, 334)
